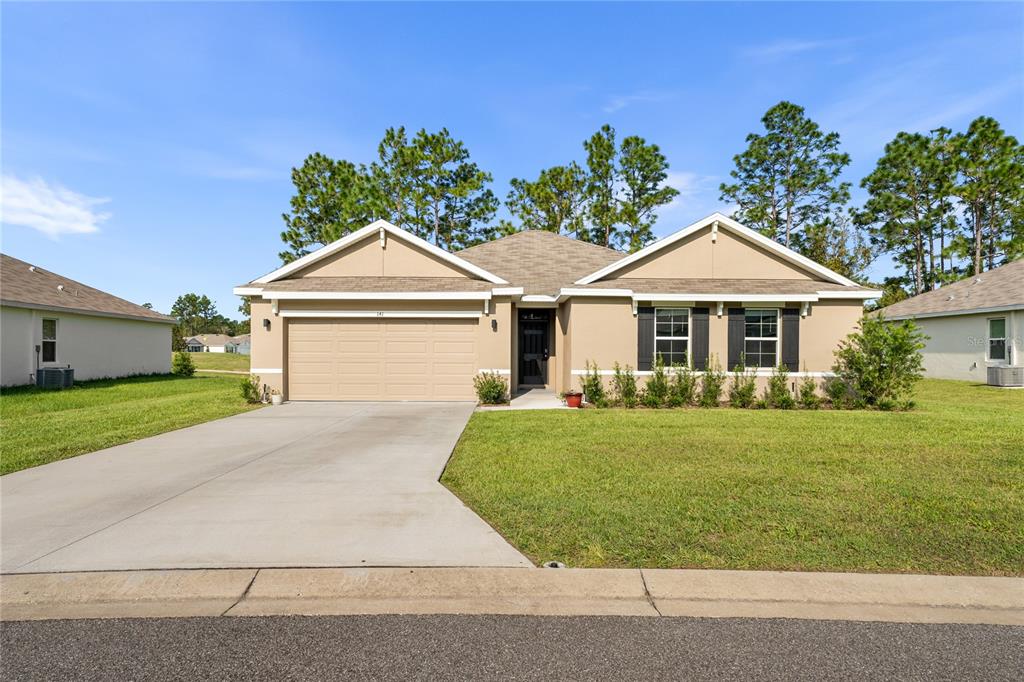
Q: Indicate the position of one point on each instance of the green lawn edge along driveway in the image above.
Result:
(40, 426)
(939, 489)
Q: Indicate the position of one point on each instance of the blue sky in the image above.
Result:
(146, 148)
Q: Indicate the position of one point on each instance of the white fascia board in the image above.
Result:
(507, 291)
(596, 292)
(711, 298)
(971, 311)
(539, 298)
(379, 295)
(731, 225)
(362, 233)
(863, 295)
(247, 291)
(364, 314)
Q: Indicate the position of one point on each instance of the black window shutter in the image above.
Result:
(699, 338)
(737, 322)
(791, 339)
(644, 338)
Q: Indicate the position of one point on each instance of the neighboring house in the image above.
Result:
(384, 315)
(242, 344)
(210, 343)
(51, 321)
(973, 324)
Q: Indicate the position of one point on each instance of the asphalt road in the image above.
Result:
(504, 647)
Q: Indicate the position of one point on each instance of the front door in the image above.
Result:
(533, 347)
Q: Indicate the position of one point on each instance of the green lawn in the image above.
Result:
(44, 426)
(936, 490)
(234, 362)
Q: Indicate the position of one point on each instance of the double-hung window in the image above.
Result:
(49, 340)
(997, 338)
(761, 337)
(672, 335)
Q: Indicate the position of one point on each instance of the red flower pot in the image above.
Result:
(574, 399)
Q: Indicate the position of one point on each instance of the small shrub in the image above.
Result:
(777, 393)
(624, 386)
(592, 386)
(491, 388)
(684, 385)
(808, 394)
(711, 384)
(881, 362)
(742, 388)
(251, 389)
(182, 365)
(656, 393)
(838, 393)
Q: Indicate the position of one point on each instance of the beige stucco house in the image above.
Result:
(383, 315)
(972, 324)
(47, 320)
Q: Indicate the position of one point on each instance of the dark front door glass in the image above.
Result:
(533, 349)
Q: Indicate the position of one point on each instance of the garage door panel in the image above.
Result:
(369, 359)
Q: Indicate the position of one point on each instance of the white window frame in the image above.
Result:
(689, 321)
(777, 338)
(43, 340)
(989, 339)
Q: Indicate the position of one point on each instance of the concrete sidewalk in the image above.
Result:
(573, 592)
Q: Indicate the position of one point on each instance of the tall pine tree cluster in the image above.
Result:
(943, 205)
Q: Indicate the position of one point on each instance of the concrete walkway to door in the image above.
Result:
(303, 484)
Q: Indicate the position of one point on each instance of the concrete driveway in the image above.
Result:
(302, 484)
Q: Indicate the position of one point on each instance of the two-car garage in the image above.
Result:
(382, 358)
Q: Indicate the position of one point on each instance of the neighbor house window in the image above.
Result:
(672, 335)
(49, 340)
(761, 337)
(997, 338)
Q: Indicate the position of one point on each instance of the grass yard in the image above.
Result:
(232, 362)
(44, 426)
(936, 490)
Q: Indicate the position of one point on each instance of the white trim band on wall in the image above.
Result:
(761, 372)
(494, 371)
(370, 314)
(265, 370)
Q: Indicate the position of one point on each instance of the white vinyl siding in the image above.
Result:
(672, 335)
(761, 337)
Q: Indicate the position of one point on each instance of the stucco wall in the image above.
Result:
(368, 259)
(728, 257)
(605, 331)
(958, 344)
(96, 347)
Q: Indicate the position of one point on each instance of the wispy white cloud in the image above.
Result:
(786, 48)
(49, 208)
(619, 102)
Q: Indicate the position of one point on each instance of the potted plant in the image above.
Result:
(275, 397)
(573, 398)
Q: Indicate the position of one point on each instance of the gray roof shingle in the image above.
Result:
(31, 286)
(998, 288)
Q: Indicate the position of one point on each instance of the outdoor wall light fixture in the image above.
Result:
(266, 324)
(494, 325)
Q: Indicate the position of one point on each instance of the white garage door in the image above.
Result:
(391, 359)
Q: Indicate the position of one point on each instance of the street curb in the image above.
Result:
(521, 591)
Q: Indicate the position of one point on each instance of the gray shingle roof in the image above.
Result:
(24, 284)
(540, 262)
(373, 284)
(718, 286)
(1002, 287)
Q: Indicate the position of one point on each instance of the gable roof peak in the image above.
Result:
(715, 220)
